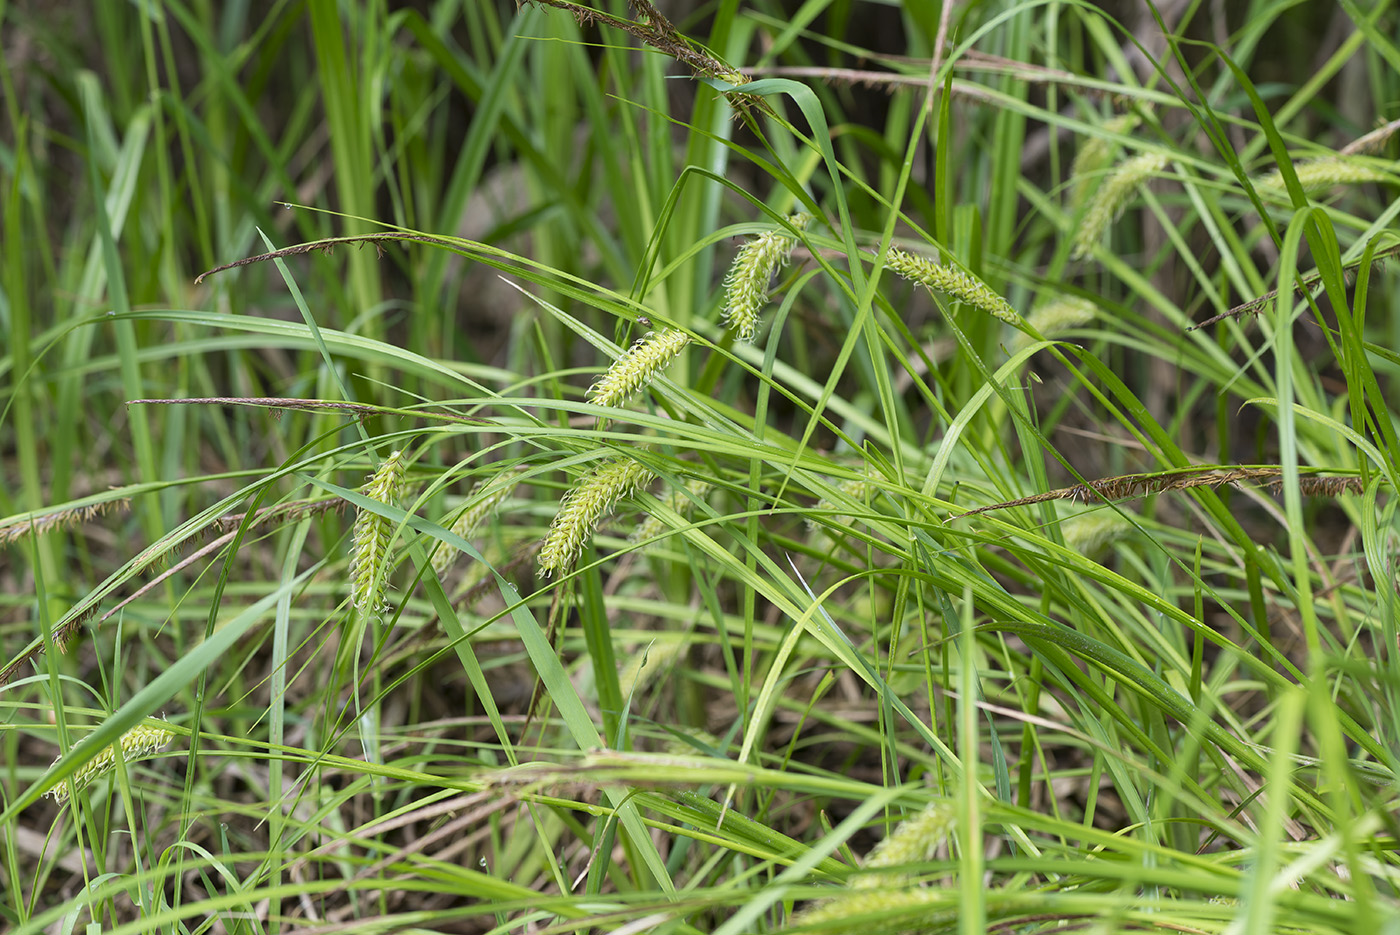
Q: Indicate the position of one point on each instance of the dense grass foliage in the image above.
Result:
(837, 466)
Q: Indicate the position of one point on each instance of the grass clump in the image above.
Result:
(645, 624)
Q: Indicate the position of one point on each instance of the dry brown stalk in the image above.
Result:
(38, 521)
(1256, 305)
(281, 513)
(1126, 486)
(326, 246)
(62, 637)
(656, 31)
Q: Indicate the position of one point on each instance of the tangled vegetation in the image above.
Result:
(746, 467)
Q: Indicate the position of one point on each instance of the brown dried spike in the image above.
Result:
(1084, 493)
(325, 244)
(1324, 486)
(63, 637)
(9, 671)
(65, 518)
(1256, 305)
(282, 513)
(658, 33)
(1133, 485)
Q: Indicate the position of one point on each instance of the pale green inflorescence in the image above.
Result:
(1321, 174)
(953, 281)
(136, 743)
(917, 839)
(1095, 154)
(746, 286)
(370, 538)
(592, 498)
(867, 909)
(686, 740)
(637, 367)
(647, 663)
(1057, 315)
(857, 488)
(876, 898)
(1112, 196)
(677, 500)
(1089, 533)
(488, 496)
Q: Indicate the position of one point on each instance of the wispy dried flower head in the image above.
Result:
(136, 743)
(592, 498)
(1319, 175)
(41, 521)
(64, 635)
(1112, 196)
(1124, 486)
(953, 281)
(746, 285)
(369, 549)
(637, 367)
(651, 27)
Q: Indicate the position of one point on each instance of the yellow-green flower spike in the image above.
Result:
(677, 500)
(1319, 175)
(858, 489)
(637, 367)
(369, 550)
(917, 909)
(490, 495)
(746, 285)
(953, 281)
(917, 839)
(1112, 196)
(658, 658)
(1095, 154)
(136, 743)
(1057, 315)
(1090, 533)
(592, 498)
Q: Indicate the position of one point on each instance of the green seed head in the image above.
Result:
(584, 506)
(370, 538)
(637, 367)
(1112, 197)
(953, 281)
(136, 743)
(746, 286)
